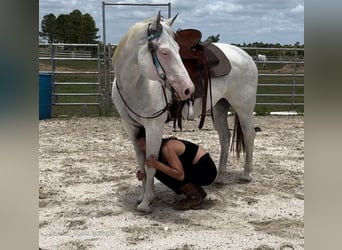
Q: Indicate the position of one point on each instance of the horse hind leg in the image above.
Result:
(220, 112)
(248, 135)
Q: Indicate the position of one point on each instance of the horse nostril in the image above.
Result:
(187, 92)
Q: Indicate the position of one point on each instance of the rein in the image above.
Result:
(155, 115)
(160, 70)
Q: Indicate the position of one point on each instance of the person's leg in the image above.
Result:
(170, 182)
(203, 173)
(193, 196)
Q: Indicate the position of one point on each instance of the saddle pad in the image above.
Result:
(219, 64)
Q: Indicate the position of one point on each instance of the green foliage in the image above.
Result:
(212, 39)
(74, 27)
(274, 45)
(49, 27)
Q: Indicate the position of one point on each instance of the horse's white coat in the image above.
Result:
(141, 88)
(238, 89)
(261, 58)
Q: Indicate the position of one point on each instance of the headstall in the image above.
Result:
(152, 35)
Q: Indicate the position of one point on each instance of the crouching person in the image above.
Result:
(182, 166)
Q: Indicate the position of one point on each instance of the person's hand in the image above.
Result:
(140, 175)
(151, 161)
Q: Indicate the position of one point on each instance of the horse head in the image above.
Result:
(159, 57)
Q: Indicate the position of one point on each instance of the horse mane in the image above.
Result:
(132, 35)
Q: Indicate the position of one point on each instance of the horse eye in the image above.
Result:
(164, 52)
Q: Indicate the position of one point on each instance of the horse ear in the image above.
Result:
(170, 21)
(156, 22)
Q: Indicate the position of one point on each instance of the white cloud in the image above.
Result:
(298, 9)
(236, 21)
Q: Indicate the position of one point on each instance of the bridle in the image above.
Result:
(161, 72)
(153, 35)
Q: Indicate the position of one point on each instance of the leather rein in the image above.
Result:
(161, 72)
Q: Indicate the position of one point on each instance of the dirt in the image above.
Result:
(290, 68)
(88, 191)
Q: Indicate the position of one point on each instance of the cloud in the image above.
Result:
(236, 21)
(298, 9)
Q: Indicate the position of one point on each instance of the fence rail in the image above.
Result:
(82, 76)
(280, 78)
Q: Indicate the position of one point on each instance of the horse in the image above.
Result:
(261, 58)
(149, 72)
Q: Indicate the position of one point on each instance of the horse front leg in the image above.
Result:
(153, 142)
(147, 182)
(141, 163)
(147, 195)
(147, 190)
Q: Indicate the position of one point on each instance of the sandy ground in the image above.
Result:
(88, 191)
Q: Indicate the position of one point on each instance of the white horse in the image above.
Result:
(148, 68)
(261, 58)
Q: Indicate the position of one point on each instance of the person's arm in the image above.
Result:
(175, 168)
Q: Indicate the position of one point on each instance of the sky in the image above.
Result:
(237, 21)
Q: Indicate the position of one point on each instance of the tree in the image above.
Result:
(49, 27)
(89, 29)
(212, 39)
(70, 28)
(61, 28)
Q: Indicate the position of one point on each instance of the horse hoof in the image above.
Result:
(219, 180)
(245, 178)
(144, 209)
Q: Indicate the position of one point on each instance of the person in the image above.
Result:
(182, 166)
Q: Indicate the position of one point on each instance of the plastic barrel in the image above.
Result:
(45, 95)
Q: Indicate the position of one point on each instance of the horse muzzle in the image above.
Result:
(182, 91)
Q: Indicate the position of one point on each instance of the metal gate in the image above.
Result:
(280, 79)
(77, 76)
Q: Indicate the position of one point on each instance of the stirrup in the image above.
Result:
(190, 111)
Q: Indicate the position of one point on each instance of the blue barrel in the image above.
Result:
(45, 95)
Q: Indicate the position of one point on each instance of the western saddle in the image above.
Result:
(202, 62)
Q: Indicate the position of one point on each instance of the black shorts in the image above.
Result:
(201, 174)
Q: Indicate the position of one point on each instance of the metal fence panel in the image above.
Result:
(280, 86)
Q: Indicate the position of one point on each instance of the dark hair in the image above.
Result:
(141, 133)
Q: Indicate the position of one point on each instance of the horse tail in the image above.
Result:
(238, 138)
